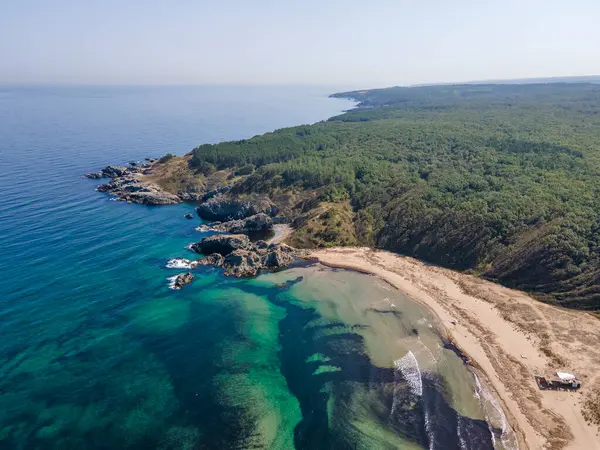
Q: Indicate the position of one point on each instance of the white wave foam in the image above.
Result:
(430, 430)
(204, 228)
(461, 439)
(181, 263)
(409, 367)
(496, 414)
(172, 282)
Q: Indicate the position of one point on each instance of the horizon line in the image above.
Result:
(527, 80)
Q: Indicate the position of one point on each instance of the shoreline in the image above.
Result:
(504, 333)
(446, 336)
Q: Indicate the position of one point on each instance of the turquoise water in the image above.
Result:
(98, 353)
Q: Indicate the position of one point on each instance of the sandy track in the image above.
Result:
(282, 231)
(509, 336)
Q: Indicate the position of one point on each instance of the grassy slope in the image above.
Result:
(499, 180)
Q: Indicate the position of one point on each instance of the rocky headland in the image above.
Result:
(235, 217)
(130, 184)
(240, 257)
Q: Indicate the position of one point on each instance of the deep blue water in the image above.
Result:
(97, 352)
(67, 249)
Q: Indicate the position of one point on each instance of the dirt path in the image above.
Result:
(282, 231)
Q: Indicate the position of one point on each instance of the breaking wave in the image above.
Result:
(495, 415)
(181, 263)
(172, 282)
(409, 367)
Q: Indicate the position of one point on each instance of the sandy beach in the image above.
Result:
(509, 338)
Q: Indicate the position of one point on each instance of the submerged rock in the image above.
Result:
(222, 244)
(178, 281)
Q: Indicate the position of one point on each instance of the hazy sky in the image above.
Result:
(351, 42)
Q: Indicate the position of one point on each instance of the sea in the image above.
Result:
(97, 352)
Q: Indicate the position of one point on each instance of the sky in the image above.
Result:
(364, 43)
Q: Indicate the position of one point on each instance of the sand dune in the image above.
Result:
(509, 337)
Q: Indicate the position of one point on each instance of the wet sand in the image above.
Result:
(509, 338)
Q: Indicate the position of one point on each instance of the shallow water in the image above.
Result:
(97, 351)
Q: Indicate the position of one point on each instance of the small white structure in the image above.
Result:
(559, 380)
(564, 376)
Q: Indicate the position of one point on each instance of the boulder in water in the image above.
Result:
(181, 280)
(94, 175)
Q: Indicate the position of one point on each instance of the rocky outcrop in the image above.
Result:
(241, 258)
(242, 263)
(254, 224)
(117, 171)
(127, 184)
(153, 196)
(213, 193)
(130, 188)
(188, 196)
(222, 244)
(214, 259)
(278, 257)
(178, 281)
(94, 175)
(226, 208)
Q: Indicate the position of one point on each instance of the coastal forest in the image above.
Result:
(498, 180)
